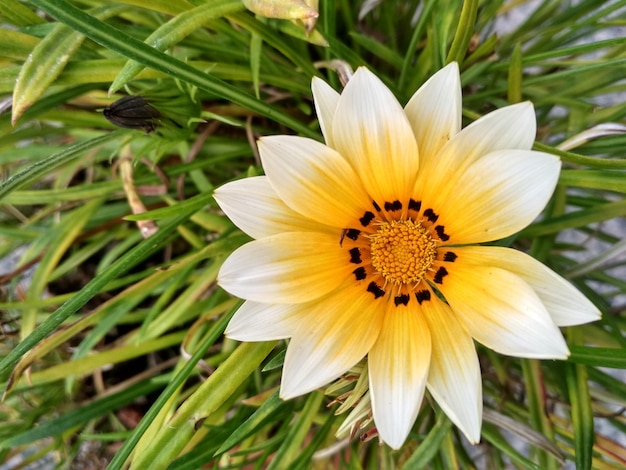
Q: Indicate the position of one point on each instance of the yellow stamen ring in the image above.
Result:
(402, 251)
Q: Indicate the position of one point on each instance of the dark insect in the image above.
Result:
(132, 112)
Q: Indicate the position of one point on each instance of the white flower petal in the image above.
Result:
(502, 312)
(325, 99)
(398, 366)
(434, 112)
(566, 305)
(454, 375)
(255, 208)
(371, 130)
(286, 268)
(314, 180)
(339, 331)
(499, 195)
(265, 322)
(511, 127)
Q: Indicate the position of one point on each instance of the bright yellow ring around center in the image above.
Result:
(402, 251)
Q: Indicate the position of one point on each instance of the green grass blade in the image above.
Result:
(578, 218)
(259, 418)
(61, 238)
(15, 12)
(175, 31)
(514, 91)
(582, 414)
(290, 448)
(142, 251)
(599, 357)
(171, 439)
(93, 410)
(46, 166)
(16, 45)
(464, 32)
(429, 447)
(48, 59)
(129, 444)
(597, 179)
(134, 49)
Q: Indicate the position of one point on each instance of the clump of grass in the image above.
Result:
(111, 241)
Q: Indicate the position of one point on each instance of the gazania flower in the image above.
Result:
(367, 246)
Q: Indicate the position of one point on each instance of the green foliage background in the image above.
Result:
(115, 340)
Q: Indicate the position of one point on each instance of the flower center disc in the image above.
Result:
(402, 251)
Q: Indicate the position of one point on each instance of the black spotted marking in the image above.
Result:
(360, 273)
(441, 233)
(430, 215)
(402, 299)
(415, 205)
(393, 206)
(375, 289)
(376, 206)
(367, 218)
(353, 233)
(355, 255)
(450, 256)
(440, 274)
(422, 296)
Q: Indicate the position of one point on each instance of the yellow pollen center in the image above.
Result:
(402, 251)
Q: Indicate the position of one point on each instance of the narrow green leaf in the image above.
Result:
(290, 448)
(176, 30)
(15, 12)
(535, 392)
(574, 73)
(597, 179)
(220, 385)
(599, 357)
(429, 447)
(259, 418)
(582, 414)
(98, 71)
(129, 445)
(378, 49)
(170, 7)
(573, 50)
(16, 45)
(593, 162)
(514, 92)
(142, 251)
(96, 361)
(201, 456)
(61, 239)
(256, 46)
(49, 164)
(106, 314)
(9, 136)
(93, 410)
(492, 436)
(48, 59)
(190, 205)
(416, 36)
(464, 32)
(578, 218)
(130, 47)
(305, 459)
(275, 40)
(74, 193)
